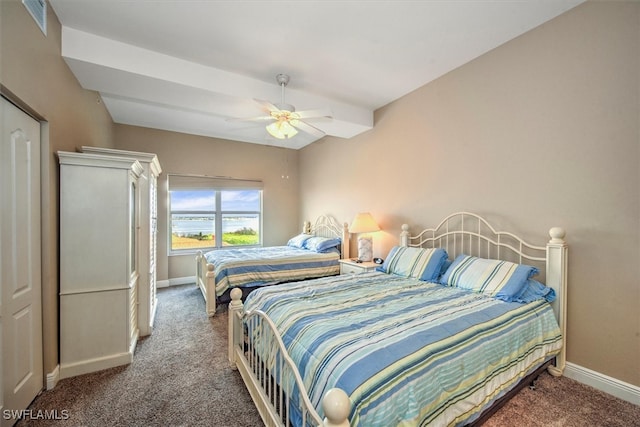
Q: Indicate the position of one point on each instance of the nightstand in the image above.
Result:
(348, 266)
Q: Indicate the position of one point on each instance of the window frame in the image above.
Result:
(212, 184)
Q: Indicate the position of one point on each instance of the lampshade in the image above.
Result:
(363, 223)
(281, 129)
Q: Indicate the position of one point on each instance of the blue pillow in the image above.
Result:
(322, 244)
(419, 263)
(534, 290)
(298, 241)
(445, 266)
(500, 279)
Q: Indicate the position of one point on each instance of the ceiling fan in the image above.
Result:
(286, 121)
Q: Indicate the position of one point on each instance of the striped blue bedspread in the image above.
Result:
(268, 265)
(407, 352)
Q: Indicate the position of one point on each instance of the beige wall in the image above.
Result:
(542, 131)
(32, 69)
(189, 154)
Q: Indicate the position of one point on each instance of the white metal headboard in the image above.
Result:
(468, 233)
(328, 226)
(325, 226)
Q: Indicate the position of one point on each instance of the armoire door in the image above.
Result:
(21, 373)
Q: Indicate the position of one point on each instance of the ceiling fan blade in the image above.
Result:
(313, 114)
(268, 106)
(306, 127)
(251, 119)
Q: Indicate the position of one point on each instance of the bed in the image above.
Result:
(313, 253)
(431, 339)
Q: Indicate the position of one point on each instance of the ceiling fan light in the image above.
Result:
(287, 129)
(281, 130)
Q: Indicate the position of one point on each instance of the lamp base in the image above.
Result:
(365, 248)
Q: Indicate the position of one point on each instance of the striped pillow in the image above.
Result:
(322, 244)
(298, 241)
(500, 279)
(419, 263)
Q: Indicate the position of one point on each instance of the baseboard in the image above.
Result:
(612, 386)
(86, 366)
(175, 282)
(53, 378)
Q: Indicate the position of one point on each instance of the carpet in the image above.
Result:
(180, 376)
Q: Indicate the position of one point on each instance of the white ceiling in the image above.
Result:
(189, 65)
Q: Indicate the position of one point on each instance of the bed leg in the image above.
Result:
(235, 337)
(555, 369)
(210, 284)
(206, 281)
(336, 407)
(557, 256)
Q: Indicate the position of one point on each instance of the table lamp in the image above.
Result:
(364, 223)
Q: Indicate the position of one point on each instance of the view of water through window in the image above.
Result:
(194, 214)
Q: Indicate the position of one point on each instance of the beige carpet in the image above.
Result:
(180, 377)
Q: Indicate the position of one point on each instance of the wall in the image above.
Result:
(540, 132)
(189, 154)
(33, 71)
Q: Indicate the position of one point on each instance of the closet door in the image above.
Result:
(21, 371)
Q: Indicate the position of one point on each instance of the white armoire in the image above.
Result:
(99, 211)
(148, 232)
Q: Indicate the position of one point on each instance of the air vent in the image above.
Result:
(38, 10)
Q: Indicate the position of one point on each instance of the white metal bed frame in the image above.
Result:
(324, 226)
(460, 232)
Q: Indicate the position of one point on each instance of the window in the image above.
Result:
(209, 213)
